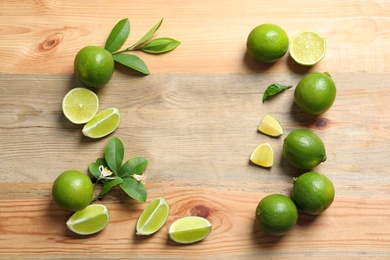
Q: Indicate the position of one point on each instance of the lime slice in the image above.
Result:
(102, 124)
(270, 126)
(80, 105)
(307, 47)
(153, 217)
(189, 230)
(89, 220)
(263, 155)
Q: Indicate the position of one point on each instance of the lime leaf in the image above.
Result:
(160, 45)
(118, 35)
(109, 184)
(148, 34)
(135, 165)
(132, 62)
(274, 89)
(114, 153)
(134, 189)
(94, 168)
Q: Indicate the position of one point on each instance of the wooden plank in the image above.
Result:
(44, 38)
(32, 226)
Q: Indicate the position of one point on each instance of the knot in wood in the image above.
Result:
(51, 42)
(322, 123)
(200, 211)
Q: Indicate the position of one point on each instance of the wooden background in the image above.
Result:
(195, 119)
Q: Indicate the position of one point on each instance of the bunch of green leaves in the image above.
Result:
(111, 172)
(118, 37)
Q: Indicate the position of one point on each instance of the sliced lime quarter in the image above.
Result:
(92, 219)
(153, 217)
(270, 126)
(189, 230)
(263, 155)
(103, 123)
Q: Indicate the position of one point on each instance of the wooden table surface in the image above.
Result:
(195, 119)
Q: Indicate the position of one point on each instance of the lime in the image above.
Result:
(153, 217)
(313, 193)
(80, 105)
(276, 214)
(315, 93)
(102, 124)
(267, 43)
(94, 66)
(72, 190)
(92, 219)
(303, 149)
(189, 230)
(307, 48)
(270, 126)
(263, 155)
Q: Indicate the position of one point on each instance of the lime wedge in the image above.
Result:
(307, 47)
(80, 105)
(270, 126)
(89, 220)
(153, 217)
(102, 124)
(189, 230)
(263, 155)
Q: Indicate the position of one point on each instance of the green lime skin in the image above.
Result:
(303, 149)
(267, 43)
(94, 66)
(72, 190)
(276, 214)
(313, 193)
(315, 93)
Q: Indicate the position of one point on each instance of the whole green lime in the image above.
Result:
(315, 93)
(313, 193)
(94, 66)
(72, 190)
(267, 43)
(303, 149)
(276, 214)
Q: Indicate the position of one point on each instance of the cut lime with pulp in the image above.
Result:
(153, 217)
(189, 230)
(92, 219)
(307, 47)
(270, 126)
(263, 155)
(102, 124)
(80, 105)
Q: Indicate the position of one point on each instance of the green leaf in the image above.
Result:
(134, 189)
(114, 153)
(274, 89)
(160, 45)
(94, 167)
(135, 165)
(118, 35)
(148, 34)
(110, 184)
(132, 62)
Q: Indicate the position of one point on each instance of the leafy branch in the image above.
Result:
(118, 37)
(111, 172)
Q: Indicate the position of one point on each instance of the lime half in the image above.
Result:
(263, 155)
(102, 124)
(153, 217)
(90, 220)
(270, 126)
(307, 47)
(80, 105)
(189, 230)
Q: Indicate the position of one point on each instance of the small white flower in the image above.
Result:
(140, 178)
(105, 173)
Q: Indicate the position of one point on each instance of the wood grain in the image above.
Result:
(213, 33)
(195, 119)
(348, 228)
